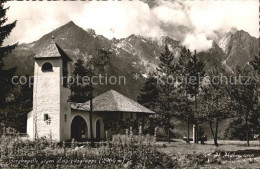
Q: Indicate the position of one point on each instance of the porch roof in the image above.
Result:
(112, 101)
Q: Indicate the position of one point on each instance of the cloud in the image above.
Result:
(34, 19)
(117, 19)
(223, 15)
(171, 15)
(198, 42)
(191, 22)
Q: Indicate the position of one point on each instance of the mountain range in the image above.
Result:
(134, 54)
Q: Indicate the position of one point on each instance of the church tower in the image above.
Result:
(51, 110)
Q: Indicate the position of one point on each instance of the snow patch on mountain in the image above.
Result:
(125, 46)
(223, 43)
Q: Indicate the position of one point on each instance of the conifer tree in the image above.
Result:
(184, 109)
(149, 93)
(197, 74)
(191, 73)
(148, 97)
(79, 89)
(5, 75)
(168, 94)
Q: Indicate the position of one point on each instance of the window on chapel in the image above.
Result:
(47, 67)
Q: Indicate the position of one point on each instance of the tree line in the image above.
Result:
(192, 96)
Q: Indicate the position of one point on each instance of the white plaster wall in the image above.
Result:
(65, 110)
(29, 127)
(46, 100)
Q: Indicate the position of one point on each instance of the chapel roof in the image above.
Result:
(112, 101)
(52, 50)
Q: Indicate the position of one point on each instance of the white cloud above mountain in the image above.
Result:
(191, 22)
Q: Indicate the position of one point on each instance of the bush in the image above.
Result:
(237, 130)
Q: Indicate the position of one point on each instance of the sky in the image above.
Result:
(193, 23)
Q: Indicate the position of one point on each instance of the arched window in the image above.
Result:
(47, 67)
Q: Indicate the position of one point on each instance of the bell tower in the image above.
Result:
(51, 109)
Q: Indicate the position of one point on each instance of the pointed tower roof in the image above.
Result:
(52, 50)
(112, 101)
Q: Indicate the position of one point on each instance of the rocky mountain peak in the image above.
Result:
(235, 38)
(166, 40)
(70, 23)
(242, 34)
(239, 48)
(91, 31)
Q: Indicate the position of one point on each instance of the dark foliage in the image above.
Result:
(237, 130)
(244, 97)
(79, 90)
(149, 94)
(256, 64)
(5, 75)
(18, 107)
